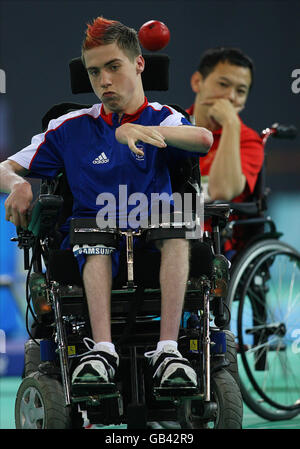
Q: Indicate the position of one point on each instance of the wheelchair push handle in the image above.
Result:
(279, 131)
(284, 131)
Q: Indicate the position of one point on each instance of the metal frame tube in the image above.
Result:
(206, 346)
(61, 341)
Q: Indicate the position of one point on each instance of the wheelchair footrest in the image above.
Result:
(95, 388)
(175, 393)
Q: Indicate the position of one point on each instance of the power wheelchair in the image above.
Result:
(264, 302)
(56, 299)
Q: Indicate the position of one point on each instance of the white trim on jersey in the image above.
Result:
(24, 156)
(173, 119)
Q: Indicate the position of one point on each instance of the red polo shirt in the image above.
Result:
(252, 156)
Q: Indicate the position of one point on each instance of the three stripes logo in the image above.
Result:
(101, 159)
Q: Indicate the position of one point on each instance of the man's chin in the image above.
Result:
(113, 105)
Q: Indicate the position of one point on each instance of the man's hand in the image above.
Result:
(17, 204)
(130, 134)
(221, 111)
(226, 179)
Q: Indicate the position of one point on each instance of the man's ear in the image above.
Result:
(196, 80)
(140, 64)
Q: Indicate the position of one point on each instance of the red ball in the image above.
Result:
(154, 35)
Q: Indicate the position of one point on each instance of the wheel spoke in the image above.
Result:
(269, 310)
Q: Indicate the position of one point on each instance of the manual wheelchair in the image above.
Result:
(264, 302)
(56, 300)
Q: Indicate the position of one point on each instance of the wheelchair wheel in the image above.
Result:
(40, 404)
(231, 356)
(32, 357)
(229, 411)
(266, 284)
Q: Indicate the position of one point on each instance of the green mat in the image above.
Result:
(10, 385)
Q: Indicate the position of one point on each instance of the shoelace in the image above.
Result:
(86, 341)
(151, 353)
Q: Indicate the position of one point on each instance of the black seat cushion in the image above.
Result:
(63, 267)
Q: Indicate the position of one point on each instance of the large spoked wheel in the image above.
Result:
(228, 414)
(266, 287)
(40, 404)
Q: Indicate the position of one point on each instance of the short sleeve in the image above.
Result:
(43, 157)
(173, 155)
(252, 156)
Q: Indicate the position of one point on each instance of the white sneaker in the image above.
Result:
(99, 364)
(170, 369)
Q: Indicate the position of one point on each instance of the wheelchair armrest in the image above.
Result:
(247, 208)
(86, 231)
(218, 212)
(44, 214)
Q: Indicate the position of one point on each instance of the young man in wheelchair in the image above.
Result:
(124, 140)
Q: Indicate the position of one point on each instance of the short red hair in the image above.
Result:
(103, 32)
(95, 32)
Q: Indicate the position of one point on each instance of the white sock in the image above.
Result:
(108, 344)
(162, 343)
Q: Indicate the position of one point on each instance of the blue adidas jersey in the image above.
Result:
(83, 143)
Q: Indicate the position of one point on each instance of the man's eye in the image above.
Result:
(93, 72)
(114, 67)
(223, 84)
(241, 92)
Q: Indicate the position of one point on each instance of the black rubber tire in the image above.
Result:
(247, 257)
(226, 393)
(275, 415)
(32, 357)
(243, 266)
(40, 404)
(231, 356)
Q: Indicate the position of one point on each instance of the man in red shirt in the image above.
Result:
(222, 84)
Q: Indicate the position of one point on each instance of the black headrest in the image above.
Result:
(60, 109)
(154, 77)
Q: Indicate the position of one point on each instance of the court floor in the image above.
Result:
(9, 387)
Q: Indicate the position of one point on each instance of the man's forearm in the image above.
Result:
(185, 137)
(20, 193)
(9, 176)
(226, 179)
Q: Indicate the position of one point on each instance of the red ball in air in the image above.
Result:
(154, 35)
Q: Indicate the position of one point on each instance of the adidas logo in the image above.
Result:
(101, 159)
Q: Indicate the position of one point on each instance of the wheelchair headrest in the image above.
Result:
(154, 77)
